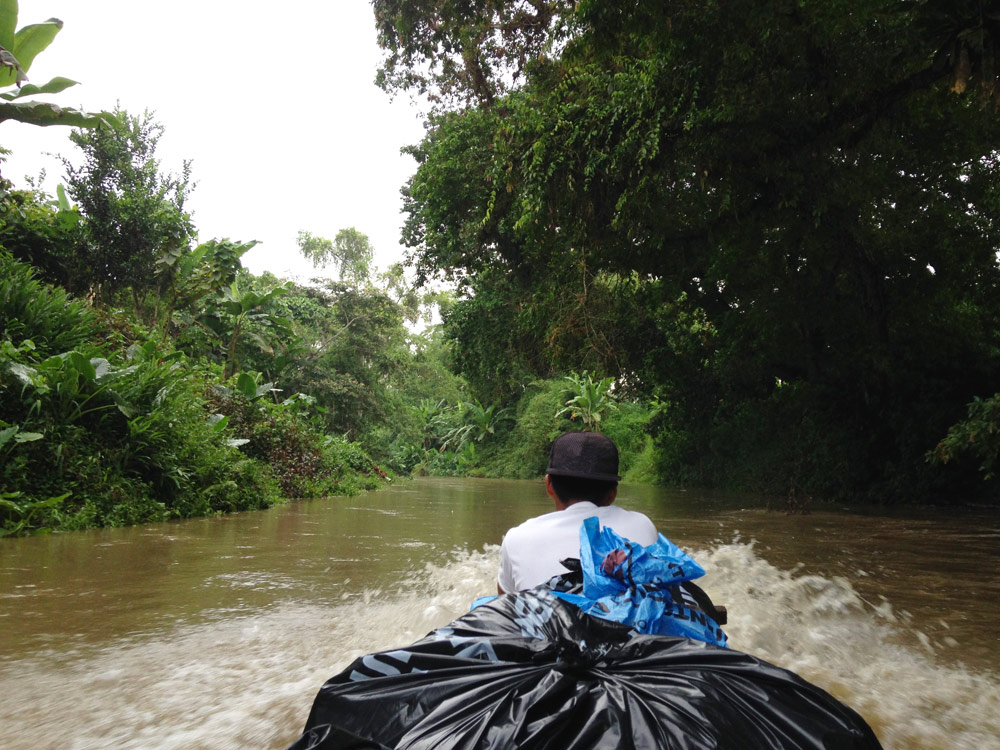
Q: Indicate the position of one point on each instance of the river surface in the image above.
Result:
(216, 633)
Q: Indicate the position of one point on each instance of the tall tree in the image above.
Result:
(469, 52)
(135, 213)
(351, 252)
(352, 343)
(802, 195)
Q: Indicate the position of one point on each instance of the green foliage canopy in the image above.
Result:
(463, 52)
(801, 200)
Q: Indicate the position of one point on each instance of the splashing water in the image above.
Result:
(249, 681)
(824, 631)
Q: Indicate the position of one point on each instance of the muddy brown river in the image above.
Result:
(217, 633)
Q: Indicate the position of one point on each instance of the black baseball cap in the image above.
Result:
(586, 455)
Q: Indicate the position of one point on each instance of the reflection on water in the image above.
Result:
(216, 633)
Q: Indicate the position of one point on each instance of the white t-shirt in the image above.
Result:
(531, 552)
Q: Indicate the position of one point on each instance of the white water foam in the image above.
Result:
(821, 629)
(250, 681)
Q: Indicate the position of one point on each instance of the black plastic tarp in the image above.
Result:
(531, 671)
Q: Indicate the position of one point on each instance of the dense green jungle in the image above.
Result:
(755, 243)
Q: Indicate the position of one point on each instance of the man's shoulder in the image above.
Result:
(538, 529)
(545, 520)
(632, 524)
(617, 510)
(530, 530)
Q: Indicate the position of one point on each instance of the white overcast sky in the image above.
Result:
(273, 103)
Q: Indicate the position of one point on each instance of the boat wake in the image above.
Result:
(249, 680)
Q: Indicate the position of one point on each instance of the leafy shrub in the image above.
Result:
(977, 437)
(129, 441)
(114, 429)
(644, 467)
(101, 434)
(770, 445)
(37, 312)
(590, 401)
(439, 464)
(626, 425)
(524, 451)
(44, 233)
(402, 458)
(304, 462)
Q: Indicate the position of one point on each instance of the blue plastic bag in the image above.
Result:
(638, 586)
